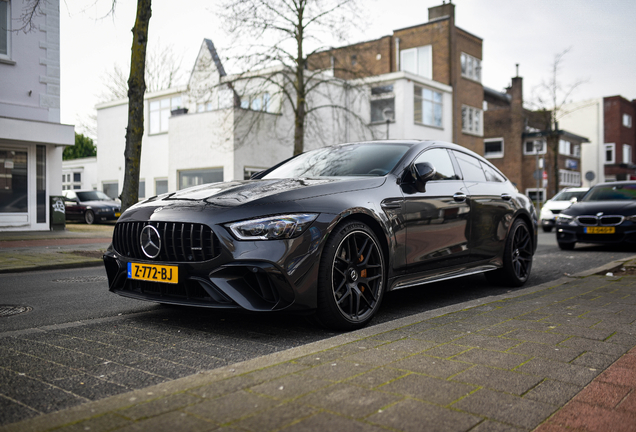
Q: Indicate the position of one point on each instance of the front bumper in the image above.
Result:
(579, 234)
(253, 275)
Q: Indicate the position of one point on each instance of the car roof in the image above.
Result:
(616, 183)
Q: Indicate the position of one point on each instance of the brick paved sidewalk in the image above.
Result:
(507, 363)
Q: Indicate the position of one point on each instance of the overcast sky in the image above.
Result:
(601, 36)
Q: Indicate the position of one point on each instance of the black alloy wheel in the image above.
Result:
(351, 282)
(89, 217)
(517, 257)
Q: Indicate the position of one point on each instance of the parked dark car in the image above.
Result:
(606, 215)
(327, 233)
(90, 206)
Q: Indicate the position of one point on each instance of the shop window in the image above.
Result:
(13, 181)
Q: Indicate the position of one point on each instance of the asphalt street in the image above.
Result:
(80, 342)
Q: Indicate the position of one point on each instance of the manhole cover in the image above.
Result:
(82, 279)
(8, 310)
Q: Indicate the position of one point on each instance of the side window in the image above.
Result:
(491, 174)
(441, 160)
(471, 167)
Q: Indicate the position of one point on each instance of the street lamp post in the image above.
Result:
(537, 146)
(388, 115)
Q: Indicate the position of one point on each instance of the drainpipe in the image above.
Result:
(397, 54)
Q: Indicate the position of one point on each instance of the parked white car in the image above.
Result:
(557, 204)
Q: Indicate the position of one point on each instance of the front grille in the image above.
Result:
(556, 211)
(600, 220)
(180, 242)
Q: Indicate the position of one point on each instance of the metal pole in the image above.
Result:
(387, 128)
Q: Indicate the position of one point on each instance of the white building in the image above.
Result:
(31, 136)
(587, 119)
(79, 174)
(212, 130)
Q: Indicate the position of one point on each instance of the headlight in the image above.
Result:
(273, 227)
(566, 220)
(631, 218)
(546, 213)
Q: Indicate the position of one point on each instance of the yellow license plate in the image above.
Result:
(117, 214)
(600, 230)
(153, 272)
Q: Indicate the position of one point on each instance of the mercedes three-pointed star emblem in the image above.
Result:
(150, 241)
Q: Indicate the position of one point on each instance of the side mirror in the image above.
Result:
(422, 172)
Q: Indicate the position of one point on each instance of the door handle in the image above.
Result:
(391, 204)
(459, 197)
(506, 197)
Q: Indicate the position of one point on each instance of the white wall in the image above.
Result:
(586, 119)
(88, 169)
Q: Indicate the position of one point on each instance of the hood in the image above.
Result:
(556, 205)
(235, 193)
(623, 208)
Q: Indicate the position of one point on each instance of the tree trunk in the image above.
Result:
(136, 89)
(299, 125)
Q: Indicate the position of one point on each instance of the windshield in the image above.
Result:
(93, 196)
(343, 161)
(619, 192)
(568, 195)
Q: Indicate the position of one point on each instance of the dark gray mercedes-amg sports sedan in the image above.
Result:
(327, 233)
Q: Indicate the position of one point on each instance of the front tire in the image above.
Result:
(517, 258)
(352, 278)
(89, 217)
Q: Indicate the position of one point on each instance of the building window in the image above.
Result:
(533, 147)
(627, 120)
(382, 98)
(257, 102)
(111, 189)
(627, 154)
(610, 153)
(5, 30)
(569, 178)
(160, 113)
(536, 195)
(564, 147)
(248, 172)
(471, 67)
(161, 186)
(577, 151)
(71, 180)
(494, 148)
(418, 61)
(197, 177)
(354, 60)
(142, 189)
(472, 120)
(13, 181)
(427, 107)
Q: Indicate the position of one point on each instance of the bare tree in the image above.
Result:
(163, 70)
(549, 99)
(136, 89)
(278, 37)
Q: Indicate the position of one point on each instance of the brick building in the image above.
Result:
(437, 50)
(620, 138)
(608, 122)
(521, 144)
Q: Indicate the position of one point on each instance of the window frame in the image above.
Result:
(7, 56)
(627, 120)
(565, 147)
(473, 73)
(473, 115)
(612, 148)
(428, 52)
(384, 95)
(496, 155)
(174, 102)
(544, 147)
(161, 179)
(629, 151)
(433, 104)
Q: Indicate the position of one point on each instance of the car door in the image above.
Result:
(436, 219)
(71, 205)
(491, 206)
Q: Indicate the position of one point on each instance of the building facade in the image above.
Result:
(438, 52)
(608, 122)
(31, 137)
(538, 160)
(224, 128)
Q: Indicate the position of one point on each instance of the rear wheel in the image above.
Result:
(351, 281)
(89, 217)
(517, 258)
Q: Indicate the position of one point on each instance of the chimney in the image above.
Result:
(443, 10)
